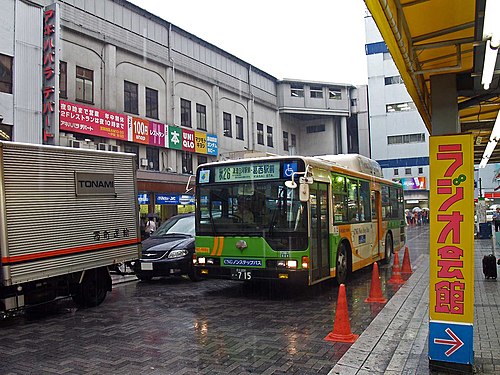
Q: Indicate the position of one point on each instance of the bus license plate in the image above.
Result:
(241, 274)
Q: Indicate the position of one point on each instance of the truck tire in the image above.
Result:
(93, 289)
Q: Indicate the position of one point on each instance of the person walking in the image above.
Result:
(496, 219)
(150, 227)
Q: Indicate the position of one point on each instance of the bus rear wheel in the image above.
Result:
(389, 248)
(342, 266)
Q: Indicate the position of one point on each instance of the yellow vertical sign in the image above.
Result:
(451, 290)
(200, 142)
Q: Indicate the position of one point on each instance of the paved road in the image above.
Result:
(175, 326)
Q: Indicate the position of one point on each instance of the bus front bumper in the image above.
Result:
(249, 274)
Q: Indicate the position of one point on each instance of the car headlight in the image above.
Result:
(177, 253)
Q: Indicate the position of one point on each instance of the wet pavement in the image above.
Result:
(175, 326)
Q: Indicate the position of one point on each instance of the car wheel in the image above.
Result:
(342, 266)
(389, 248)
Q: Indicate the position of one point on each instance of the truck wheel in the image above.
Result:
(93, 289)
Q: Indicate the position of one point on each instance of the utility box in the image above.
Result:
(485, 230)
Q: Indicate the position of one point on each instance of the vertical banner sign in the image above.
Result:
(200, 142)
(138, 130)
(451, 290)
(188, 140)
(50, 68)
(158, 134)
(174, 137)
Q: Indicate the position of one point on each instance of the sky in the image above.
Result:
(315, 40)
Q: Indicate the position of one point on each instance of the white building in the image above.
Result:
(107, 74)
(399, 138)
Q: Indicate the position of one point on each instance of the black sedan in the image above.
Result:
(169, 250)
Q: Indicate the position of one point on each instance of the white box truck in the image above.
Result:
(66, 215)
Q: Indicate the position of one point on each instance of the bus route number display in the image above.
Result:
(245, 172)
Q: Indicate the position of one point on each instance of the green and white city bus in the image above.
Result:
(296, 219)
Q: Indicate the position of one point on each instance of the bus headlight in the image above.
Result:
(291, 264)
(201, 260)
(305, 262)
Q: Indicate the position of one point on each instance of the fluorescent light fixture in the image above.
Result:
(495, 132)
(490, 60)
(491, 25)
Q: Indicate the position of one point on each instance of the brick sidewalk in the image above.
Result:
(396, 340)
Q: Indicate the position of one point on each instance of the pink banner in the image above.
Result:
(158, 134)
(89, 120)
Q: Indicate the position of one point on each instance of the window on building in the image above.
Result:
(239, 127)
(201, 117)
(405, 138)
(151, 103)
(396, 172)
(408, 171)
(6, 74)
(133, 149)
(285, 141)
(131, 97)
(315, 128)
(153, 156)
(420, 170)
(260, 133)
(84, 85)
(63, 79)
(394, 80)
(226, 119)
(297, 91)
(354, 102)
(270, 136)
(316, 92)
(185, 113)
(334, 94)
(202, 159)
(293, 140)
(187, 162)
(400, 107)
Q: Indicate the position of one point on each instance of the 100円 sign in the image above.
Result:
(451, 290)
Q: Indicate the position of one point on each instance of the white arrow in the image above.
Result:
(455, 342)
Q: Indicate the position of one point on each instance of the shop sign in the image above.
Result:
(188, 140)
(50, 68)
(200, 140)
(143, 198)
(84, 119)
(94, 184)
(174, 199)
(412, 183)
(451, 291)
(138, 130)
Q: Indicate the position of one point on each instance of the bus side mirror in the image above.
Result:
(304, 192)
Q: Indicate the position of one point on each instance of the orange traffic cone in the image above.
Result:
(396, 272)
(375, 289)
(406, 267)
(341, 325)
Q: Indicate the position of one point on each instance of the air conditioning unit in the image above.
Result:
(102, 146)
(75, 144)
(114, 148)
(144, 162)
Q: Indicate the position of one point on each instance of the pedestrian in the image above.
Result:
(496, 219)
(150, 227)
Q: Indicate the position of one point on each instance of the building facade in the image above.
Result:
(399, 138)
(108, 75)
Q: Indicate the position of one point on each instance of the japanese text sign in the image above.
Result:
(451, 290)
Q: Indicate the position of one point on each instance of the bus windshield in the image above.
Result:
(267, 209)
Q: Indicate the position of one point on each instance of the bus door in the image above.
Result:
(320, 239)
(377, 229)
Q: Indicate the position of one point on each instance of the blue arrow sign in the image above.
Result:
(450, 342)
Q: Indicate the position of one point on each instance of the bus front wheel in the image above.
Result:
(342, 266)
(389, 248)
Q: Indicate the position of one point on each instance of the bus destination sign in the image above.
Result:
(245, 172)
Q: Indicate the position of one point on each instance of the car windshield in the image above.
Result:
(176, 225)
